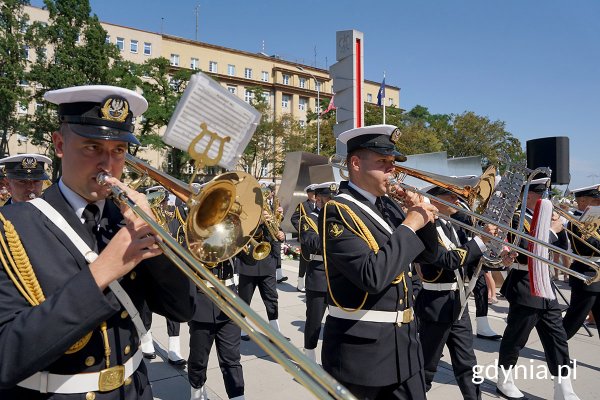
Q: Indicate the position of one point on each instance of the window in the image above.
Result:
(248, 96)
(22, 108)
(78, 38)
(248, 73)
(107, 40)
(26, 52)
(266, 96)
(265, 76)
(133, 46)
(302, 103)
(369, 98)
(120, 43)
(212, 67)
(302, 83)
(318, 86)
(175, 60)
(285, 101)
(194, 63)
(230, 69)
(232, 89)
(302, 123)
(286, 79)
(147, 49)
(390, 102)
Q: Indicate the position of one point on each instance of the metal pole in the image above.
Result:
(318, 116)
(196, 9)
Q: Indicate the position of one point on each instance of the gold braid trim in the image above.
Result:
(310, 222)
(362, 232)
(22, 274)
(20, 264)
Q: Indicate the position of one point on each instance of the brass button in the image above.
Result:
(128, 381)
(90, 396)
(409, 274)
(132, 275)
(127, 349)
(124, 314)
(89, 361)
(401, 301)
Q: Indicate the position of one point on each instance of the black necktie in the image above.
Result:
(90, 219)
(382, 210)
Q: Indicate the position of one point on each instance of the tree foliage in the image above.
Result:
(14, 42)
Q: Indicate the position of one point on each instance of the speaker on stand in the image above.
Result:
(552, 152)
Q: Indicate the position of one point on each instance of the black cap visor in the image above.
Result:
(104, 133)
(22, 175)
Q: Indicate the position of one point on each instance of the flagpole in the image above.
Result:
(383, 99)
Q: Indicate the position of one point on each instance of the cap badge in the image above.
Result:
(333, 187)
(395, 136)
(29, 163)
(115, 109)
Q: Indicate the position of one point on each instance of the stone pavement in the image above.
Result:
(267, 380)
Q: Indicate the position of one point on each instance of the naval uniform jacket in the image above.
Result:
(266, 267)
(303, 209)
(311, 242)
(444, 306)
(206, 310)
(516, 288)
(371, 353)
(35, 338)
(584, 251)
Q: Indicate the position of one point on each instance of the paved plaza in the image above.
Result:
(265, 379)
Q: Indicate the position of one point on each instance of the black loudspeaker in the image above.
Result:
(552, 152)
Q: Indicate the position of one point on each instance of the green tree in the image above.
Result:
(71, 50)
(473, 135)
(13, 48)
(162, 87)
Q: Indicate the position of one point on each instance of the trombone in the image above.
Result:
(231, 202)
(479, 198)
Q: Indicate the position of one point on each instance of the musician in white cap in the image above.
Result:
(370, 341)
(527, 311)
(584, 298)
(25, 175)
(70, 328)
(303, 209)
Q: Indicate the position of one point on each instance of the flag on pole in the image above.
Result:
(381, 94)
(330, 107)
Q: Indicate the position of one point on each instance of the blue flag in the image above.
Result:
(381, 94)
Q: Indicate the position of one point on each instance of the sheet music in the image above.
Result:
(206, 101)
(591, 217)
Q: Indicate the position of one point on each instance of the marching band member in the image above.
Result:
(527, 311)
(211, 325)
(370, 341)
(303, 209)
(25, 176)
(261, 274)
(72, 330)
(316, 281)
(584, 298)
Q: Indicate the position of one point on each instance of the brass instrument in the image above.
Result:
(272, 222)
(477, 191)
(586, 229)
(239, 204)
(479, 196)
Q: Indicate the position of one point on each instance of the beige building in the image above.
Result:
(290, 86)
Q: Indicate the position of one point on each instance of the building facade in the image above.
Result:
(289, 87)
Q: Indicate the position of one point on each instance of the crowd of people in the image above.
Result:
(82, 274)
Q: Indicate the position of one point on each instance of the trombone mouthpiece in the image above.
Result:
(32, 196)
(101, 178)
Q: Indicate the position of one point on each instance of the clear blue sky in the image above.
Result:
(533, 64)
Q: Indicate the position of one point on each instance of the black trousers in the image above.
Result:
(267, 289)
(480, 295)
(458, 336)
(302, 267)
(227, 337)
(316, 304)
(411, 389)
(173, 328)
(579, 307)
(548, 323)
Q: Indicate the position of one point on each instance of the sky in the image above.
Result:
(533, 64)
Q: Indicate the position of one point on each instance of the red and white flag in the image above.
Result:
(330, 107)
